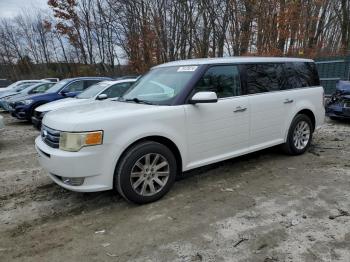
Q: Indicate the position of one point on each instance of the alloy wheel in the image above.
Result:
(301, 135)
(149, 174)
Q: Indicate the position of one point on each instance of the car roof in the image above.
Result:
(32, 80)
(235, 59)
(111, 82)
(88, 78)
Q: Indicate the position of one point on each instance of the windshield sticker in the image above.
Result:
(187, 68)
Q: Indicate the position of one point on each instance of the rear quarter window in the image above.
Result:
(267, 77)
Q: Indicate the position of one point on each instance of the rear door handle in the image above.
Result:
(288, 101)
(240, 109)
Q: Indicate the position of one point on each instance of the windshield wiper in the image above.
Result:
(138, 101)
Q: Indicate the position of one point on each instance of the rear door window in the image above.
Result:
(223, 80)
(264, 77)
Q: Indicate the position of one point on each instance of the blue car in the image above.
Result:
(23, 108)
(338, 106)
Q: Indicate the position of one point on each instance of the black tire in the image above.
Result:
(122, 174)
(333, 118)
(289, 147)
(32, 112)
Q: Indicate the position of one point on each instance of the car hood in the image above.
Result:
(6, 89)
(7, 93)
(16, 97)
(40, 96)
(63, 103)
(93, 115)
(20, 98)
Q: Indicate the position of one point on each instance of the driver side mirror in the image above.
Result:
(204, 97)
(64, 92)
(101, 97)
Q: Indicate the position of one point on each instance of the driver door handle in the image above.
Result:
(288, 101)
(239, 109)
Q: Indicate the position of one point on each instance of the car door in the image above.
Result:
(217, 131)
(268, 104)
(117, 90)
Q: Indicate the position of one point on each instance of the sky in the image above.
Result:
(11, 8)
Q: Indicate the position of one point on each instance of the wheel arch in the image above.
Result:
(35, 105)
(159, 139)
(310, 114)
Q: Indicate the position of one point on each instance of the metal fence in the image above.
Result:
(331, 70)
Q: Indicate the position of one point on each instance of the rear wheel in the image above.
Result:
(146, 172)
(299, 135)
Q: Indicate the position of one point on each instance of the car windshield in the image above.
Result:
(160, 85)
(93, 90)
(15, 84)
(58, 86)
(40, 88)
(23, 86)
(28, 87)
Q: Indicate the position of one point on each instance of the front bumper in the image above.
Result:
(36, 122)
(2, 104)
(92, 163)
(336, 111)
(5, 105)
(21, 112)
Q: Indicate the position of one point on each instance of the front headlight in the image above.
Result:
(73, 142)
(26, 102)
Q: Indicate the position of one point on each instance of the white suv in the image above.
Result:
(180, 116)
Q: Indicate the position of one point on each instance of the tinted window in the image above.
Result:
(291, 76)
(223, 80)
(75, 86)
(117, 90)
(264, 78)
(307, 74)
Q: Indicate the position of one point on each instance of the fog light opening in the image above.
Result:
(73, 181)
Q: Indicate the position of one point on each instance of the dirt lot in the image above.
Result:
(261, 207)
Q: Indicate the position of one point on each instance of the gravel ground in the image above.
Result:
(262, 207)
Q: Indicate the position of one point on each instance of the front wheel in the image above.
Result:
(145, 173)
(299, 135)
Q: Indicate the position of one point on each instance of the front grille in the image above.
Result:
(51, 137)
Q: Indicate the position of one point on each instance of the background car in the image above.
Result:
(52, 79)
(338, 106)
(14, 91)
(23, 108)
(100, 91)
(19, 83)
(30, 90)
